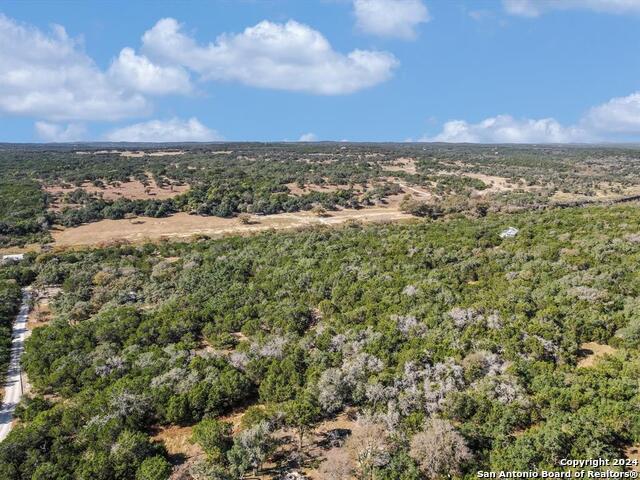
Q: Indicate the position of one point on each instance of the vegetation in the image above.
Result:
(23, 214)
(10, 298)
(260, 179)
(457, 350)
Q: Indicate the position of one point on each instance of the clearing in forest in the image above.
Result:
(407, 165)
(132, 190)
(591, 352)
(183, 225)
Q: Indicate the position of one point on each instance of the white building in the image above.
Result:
(509, 232)
(11, 258)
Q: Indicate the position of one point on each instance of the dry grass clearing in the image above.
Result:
(40, 314)
(407, 165)
(30, 247)
(311, 187)
(235, 419)
(322, 439)
(182, 226)
(494, 184)
(591, 352)
(177, 441)
(166, 153)
(633, 453)
(133, 190)
(604, 192)
(316, 445)
(134, 154)
(416, 191)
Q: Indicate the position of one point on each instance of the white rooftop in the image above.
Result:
(509, 232)
(13, 257)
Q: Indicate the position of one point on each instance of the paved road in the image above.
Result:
(13, 384)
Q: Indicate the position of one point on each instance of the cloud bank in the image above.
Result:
(535, 8)
(390, 18)
(47, 75)
(173, 130)
(616, 118)
(137, 72)
(506, 129)
(308, 137)
(290, 56)
(51, 132)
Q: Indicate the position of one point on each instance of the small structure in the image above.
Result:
(294, 476)
(509, 232)
(12, 258)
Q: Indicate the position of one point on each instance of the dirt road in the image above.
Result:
(13, 387)
(414, 190)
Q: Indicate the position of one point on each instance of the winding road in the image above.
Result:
(13, 387)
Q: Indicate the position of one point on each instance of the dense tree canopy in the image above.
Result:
(436, 329)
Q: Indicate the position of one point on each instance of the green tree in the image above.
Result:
(301, 414)
(154, 468)
(128, 452)
(178, 410)
(50, 471)
(214, 437)
(250, 449)
(281, 382)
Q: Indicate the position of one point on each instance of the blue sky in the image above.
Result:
(359, 70)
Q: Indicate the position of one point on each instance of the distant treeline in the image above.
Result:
(220, 201)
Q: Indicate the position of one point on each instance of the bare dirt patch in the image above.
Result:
(177, 441)
(165, 153)
(134, 154)
(494, 184)
(235, 419)
(132, 190)
(295, 189)
(633, 453)
(407, 165)
(416, 191)
(30, 247)
(591, 352)
(40, 314)
(127, 153)
(604, 192)
(318, 443)
(183, 226)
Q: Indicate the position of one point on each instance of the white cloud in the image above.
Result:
(308, 137)
(535, 8)
(290, 56)
(506, 129)
(619, 118)
(618, 115)
(173, 130)
(390, 18)
(52, 132)
(49, 76)
(137, 72)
